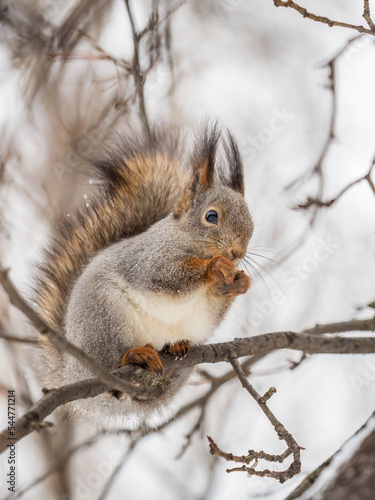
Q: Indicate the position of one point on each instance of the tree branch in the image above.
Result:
(253, 456)
(321, 19)
(137, 74)
(59, 340)
(354, 325)
(367, 15)
(144, 385)
(149, 386)
(13, 338)
(318, 202)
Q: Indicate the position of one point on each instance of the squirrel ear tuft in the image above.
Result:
(236, 181)
(189, 195)
(205, 155)
(203, 163)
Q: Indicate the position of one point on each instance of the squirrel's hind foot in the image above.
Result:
(146, 356)
(179, 349)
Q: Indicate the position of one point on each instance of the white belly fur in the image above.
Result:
(160, 318)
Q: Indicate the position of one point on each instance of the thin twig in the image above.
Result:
(216, 383)
(118, 62)
(22, 340)
(193, 430)
(80, 16)
(138, 77)
(318, 202)
(318, 167)
(321, 19)
(331, 134)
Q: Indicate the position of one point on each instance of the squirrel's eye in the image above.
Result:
(212, 217)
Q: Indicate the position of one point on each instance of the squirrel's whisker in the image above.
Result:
(267, 271)
(253, 268)
(264, 248)
(268, 258)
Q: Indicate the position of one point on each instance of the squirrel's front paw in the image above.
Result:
(221, 270)
(146, 356)
(240, 285)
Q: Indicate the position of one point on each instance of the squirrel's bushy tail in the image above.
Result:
(141, 184)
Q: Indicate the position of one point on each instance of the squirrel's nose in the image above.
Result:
(237, 253)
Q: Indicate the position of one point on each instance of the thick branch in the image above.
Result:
(148, 386)
(59, 340)
(152, 386)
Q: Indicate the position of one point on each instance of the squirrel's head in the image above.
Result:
(213, 209)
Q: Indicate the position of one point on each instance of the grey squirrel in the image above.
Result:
(151, 263)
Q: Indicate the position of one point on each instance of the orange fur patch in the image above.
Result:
(146, 356)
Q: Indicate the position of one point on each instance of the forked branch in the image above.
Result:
(253, 456)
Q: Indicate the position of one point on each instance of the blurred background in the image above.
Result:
(67, 84)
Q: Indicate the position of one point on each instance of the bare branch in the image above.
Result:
(321, 19)
(80, 16)
(151, 386)
(138, 77)
(22, 340)
(253, 456)
(59, 340)
(317, 168)
(193, 430)
(148, 387)
(367, 15)
(318, 202)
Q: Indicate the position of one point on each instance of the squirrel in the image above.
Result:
(150, 264)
